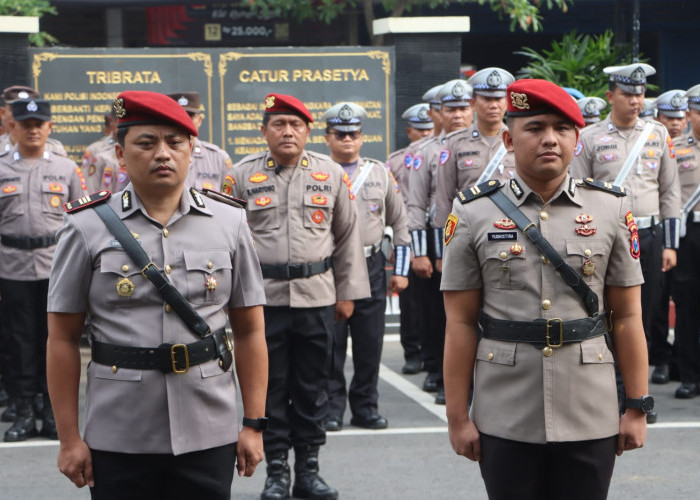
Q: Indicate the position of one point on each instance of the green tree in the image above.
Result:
(577, 61)
(36, 8)
(523, 14)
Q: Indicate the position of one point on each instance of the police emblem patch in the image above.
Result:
(319, 199)
(263, 201)
(494, 80)
(258, 177)
(345, 113)
(444, 156)
(408, 160)
(55, 201)
(417, 162)
(586, 230)
(320, 176)
(469, 163)
(450, 228)
(32, 106)
(317, 217)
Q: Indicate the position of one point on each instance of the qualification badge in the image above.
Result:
(211, 283)
(125, 287)
(588, 267)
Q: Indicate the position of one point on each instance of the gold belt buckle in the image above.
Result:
(150, 264)
(561, 332)
(173, 350)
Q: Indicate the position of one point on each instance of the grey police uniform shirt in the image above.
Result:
(652, 183)
(105, 143)
(379, 204)
(464, 157)
(519, 392)
(146, 411)
(688, 161)
(399, 169)
(304, 214)
(31, 205)
(104, 172)
(52, 145)
(422, 183)
(209, 167)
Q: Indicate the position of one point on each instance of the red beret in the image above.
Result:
(281, 104)
(140, 107)
(530, 97)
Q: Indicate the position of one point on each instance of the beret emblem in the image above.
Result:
(269, 102)
(519, 100)
(119, 108)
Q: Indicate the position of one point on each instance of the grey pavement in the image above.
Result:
(412, 459)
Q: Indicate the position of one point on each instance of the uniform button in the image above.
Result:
(168, 308)
(210, 265)
(587, 252)
(546, 304)
(114, 368)
(125, 268)
(600, 356)
(545, 260)
(168, 269)
(547, 351)
(503, 255)
(544, 215)
(490, 356)
(166, 233)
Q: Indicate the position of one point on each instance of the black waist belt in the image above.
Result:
(549, 332)
(167, 358)
(294, 271)
(27, 242)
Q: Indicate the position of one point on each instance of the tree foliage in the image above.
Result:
(577, 61)
(30, 8)
(523, 14)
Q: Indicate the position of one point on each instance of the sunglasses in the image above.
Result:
(343, 135)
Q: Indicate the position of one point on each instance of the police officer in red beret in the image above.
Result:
(160, 268)
(537, 261)
(302, 216)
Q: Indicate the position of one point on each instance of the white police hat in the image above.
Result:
(431, 97)
(672, 103)
(631, 78)
(590, 108)
(455, 93)
(345, 116)
(491, 82)
(693, 96)
(648, 112)
(417, 117)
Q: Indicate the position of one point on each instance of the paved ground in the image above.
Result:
(412, 459)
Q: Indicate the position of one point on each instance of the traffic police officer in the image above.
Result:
(456, 114)
(210, 163)
(301, 214)
(379, 204)
(418, 127)
(34, 184)
(590, 109)
(544, 383)
(638, 155)
(648, 111)
(161, 418)
(686, 276)
(469, 151)
(671, 108)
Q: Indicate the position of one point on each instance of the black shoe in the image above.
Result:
(40, 402)
(10, 413)
(278, 477)
(687, 390)
(24, 426)
(651, 417)
(374, 422)
(334, 424)
(307, 482)
(440, 396)
(412, 367)
(661, 374)
(431, 382)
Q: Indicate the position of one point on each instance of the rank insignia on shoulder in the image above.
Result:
(197, 199)
(605, 186)
(224, 198)
(517, 190)
(86, 201)
(474, 192)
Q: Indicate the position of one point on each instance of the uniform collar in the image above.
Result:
(46, 156)
(191, 200)
(271, 163)
(611, 127)
(197, 149)
(519, 191)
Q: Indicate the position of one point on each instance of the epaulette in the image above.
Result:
(224, 198)
(211, 146)
(401, 151)
(474, 192)
(251, 157)
(320, 156)
(86, 201)
(605, 186)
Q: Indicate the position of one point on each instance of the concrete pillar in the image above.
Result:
(428, 52)
(14, 42)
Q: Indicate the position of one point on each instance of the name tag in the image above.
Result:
(503, 236)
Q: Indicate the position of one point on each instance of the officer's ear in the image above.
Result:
(508, 140)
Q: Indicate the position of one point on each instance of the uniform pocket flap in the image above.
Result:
(207, 261)
(106, 372)
(585, 248)
(118, 262)
(496, 351)
(596, 351)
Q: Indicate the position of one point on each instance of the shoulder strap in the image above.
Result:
(474, 192)
(491, 167)
(633, 155)
(605, 186)
(150, 271)
(364, 173)
(570, 277)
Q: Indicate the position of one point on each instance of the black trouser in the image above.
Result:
(200, 474)
(25, 332)
(432, 308)
(411, 320)
(366, 325)
(651, 245)
(577, 470)
(299, 350)
(686, 295)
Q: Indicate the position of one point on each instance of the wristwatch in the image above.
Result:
(259, 424)
(645, 403)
